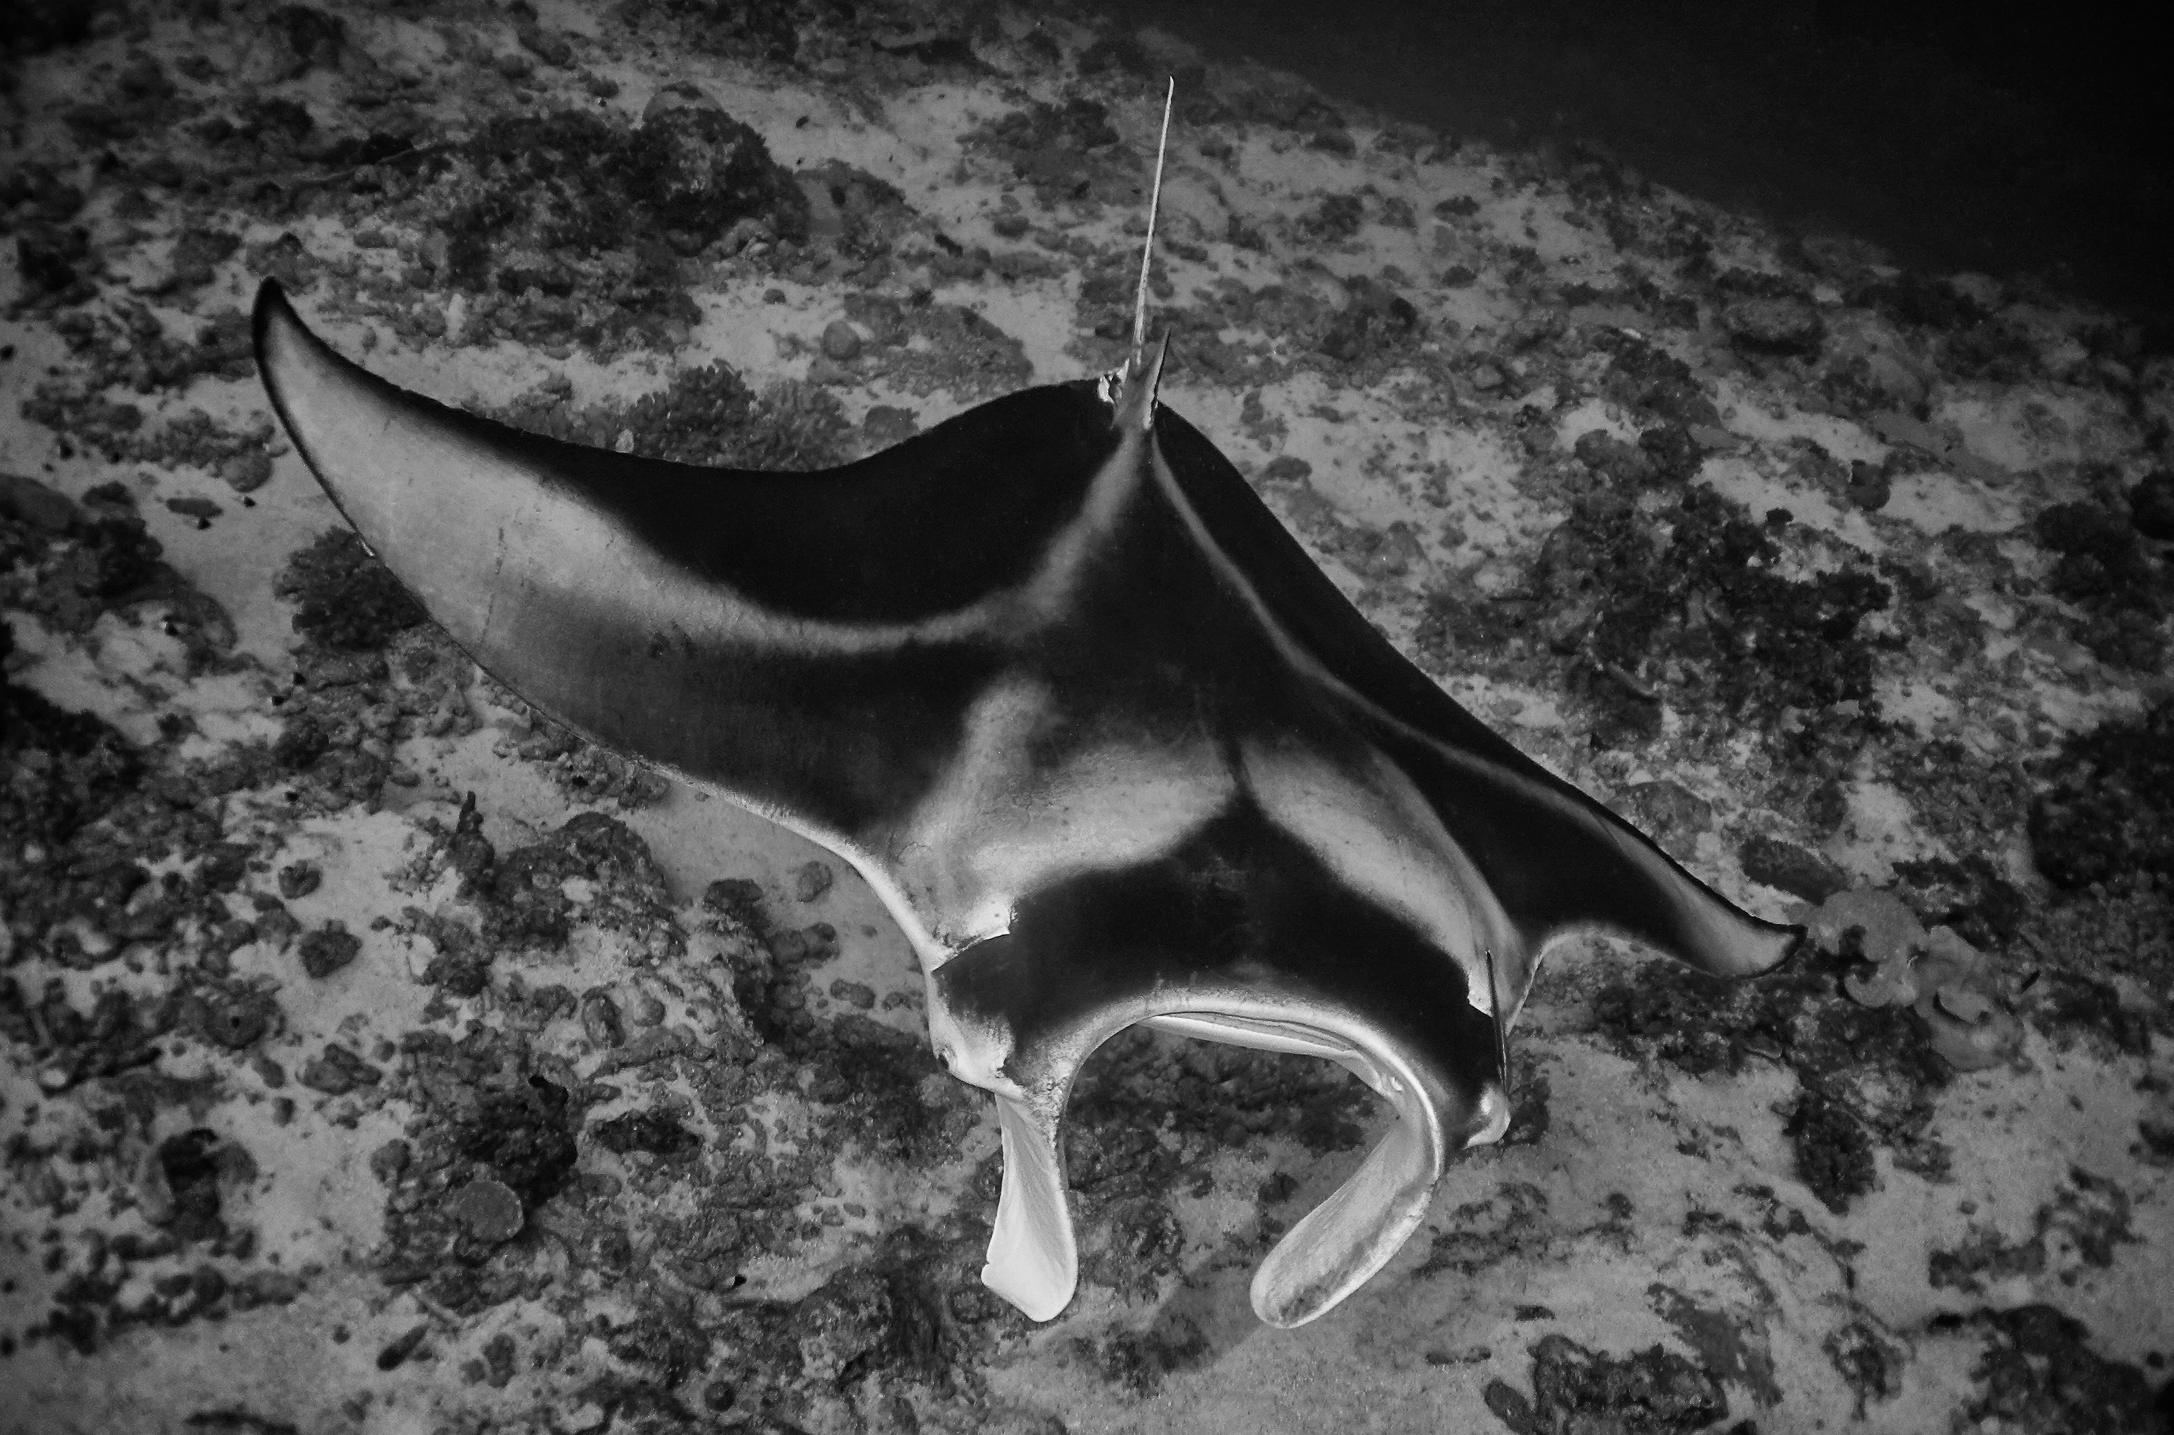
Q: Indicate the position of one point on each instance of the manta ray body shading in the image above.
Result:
(1107, 744)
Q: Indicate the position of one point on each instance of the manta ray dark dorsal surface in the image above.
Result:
(924, 527)
(1522, 826)
(1107, 744)
(807, 641)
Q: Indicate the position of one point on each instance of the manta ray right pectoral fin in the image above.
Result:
(1033, 1260)
(1557, 862)
(1343, 1241)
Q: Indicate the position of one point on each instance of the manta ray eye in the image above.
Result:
(945, 1055)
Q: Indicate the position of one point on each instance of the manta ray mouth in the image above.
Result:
(1278, 1034)
(1336, 1248)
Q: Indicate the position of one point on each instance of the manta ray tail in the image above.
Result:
(1147, 250)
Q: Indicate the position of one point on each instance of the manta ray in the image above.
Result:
(1107, 744)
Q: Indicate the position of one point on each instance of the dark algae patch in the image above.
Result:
(344, 597)
(871, 1076)
(189, 1166)
(1834, 1156)
(706, 415)
(65, 769)
(1066, 151)
(2107, 813)
(485, 1115)
(2085, 1226)
(869, 1318)
(2101, 831)
(70, 562)
(571, 227)
(1376, 324)
(517, 1180)
(1864, 1357)
(75, 1045)
(87, 812)
(2106, 570)
(1652, 1392)
(1682, 605)
(1869, 1074)
(891, 1330)
(1510, 1225)
(1790, 868)
(652, 1131)
(1726, 1344)
(328, 949)
(1139, 1361)
(2039, 1373)
(1225, 1093)
(522, 894)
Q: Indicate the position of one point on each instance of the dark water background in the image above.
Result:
(2002, 137)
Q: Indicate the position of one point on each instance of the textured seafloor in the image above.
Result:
(374, 1057)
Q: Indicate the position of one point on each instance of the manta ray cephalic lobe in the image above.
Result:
(1106, 742)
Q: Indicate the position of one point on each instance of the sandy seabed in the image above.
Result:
(375, 1056)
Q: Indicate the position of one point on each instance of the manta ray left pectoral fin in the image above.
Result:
(1033, 1260)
